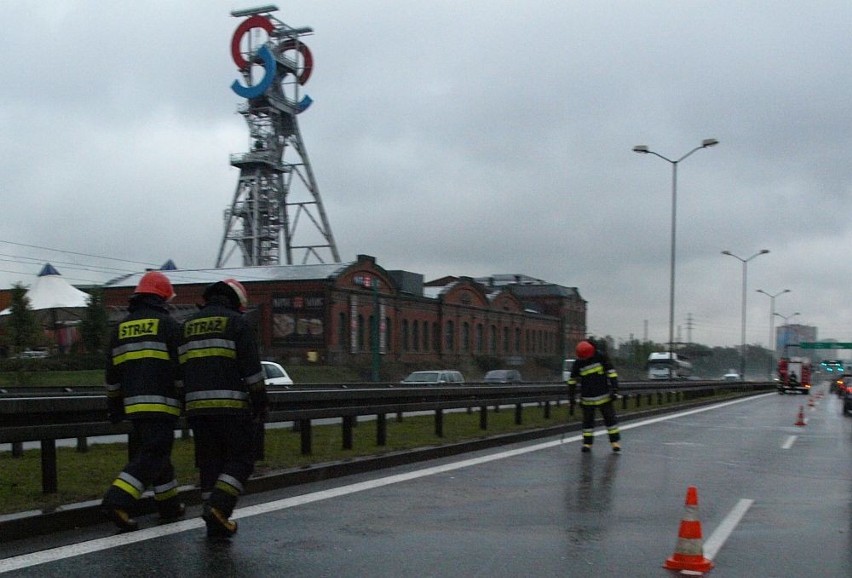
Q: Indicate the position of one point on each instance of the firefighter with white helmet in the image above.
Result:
(225, 399)
(598, 389)
(143, 385)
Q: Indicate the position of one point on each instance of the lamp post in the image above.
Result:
(786, 319)
(708, 142)
(745, 282)
(771, 341)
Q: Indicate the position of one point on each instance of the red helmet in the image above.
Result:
(156, 283)
(231, 288)
(585, 350)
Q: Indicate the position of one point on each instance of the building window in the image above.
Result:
(342, 331)
(415, 336)
(425, 336)
(492, 342)
(450, 338)
(480, 346)
(388, 334)
(360, 335)
(517, 339)
(465, 337)
(405, 334)
(505, 340)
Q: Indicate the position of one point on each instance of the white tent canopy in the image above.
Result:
(52, 293)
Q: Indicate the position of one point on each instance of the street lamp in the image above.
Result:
(786, 319)
(771, 341)
(745, 281)
(708, 142)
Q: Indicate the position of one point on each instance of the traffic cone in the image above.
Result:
(811, 402)
(689, 552)
(801, 420)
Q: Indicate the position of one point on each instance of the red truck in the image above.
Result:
(794, 375)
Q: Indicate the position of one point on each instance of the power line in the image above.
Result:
(75, 253)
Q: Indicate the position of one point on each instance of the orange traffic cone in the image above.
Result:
(811, 402)
(689, 552)
(801, 420)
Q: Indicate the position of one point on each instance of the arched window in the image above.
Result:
(465, 337)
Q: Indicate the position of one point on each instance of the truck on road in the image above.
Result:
(794, 375)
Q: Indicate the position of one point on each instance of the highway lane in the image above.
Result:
(774, 500)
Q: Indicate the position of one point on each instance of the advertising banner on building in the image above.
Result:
(297, 320)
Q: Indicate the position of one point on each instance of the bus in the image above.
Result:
(665, 365)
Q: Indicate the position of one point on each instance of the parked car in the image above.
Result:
(275, 375)
(731, 376)
(435, 377)
(33, 354)
(503, 376)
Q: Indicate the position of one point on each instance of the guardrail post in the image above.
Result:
(49, 484)
(17, 449)
(483, 417)
(624, 401)
(439, 423)
(82, 444)
(132, 445)
(547, 409)
(381, 430)
(305, 434)
(519, 414)
(347, 431)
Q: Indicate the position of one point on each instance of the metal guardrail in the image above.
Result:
(80, 415)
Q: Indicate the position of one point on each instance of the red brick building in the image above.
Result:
(327, 312)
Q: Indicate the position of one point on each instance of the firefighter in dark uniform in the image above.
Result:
(143, 385)
(225, 399)
(598, 389)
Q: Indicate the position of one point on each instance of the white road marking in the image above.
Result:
(99, 544)
(789, 443)
(714, 543)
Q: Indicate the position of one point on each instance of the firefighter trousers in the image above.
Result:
(224, 455)
(607, 410)
(150, 465)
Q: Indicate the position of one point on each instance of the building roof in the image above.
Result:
(311, 272)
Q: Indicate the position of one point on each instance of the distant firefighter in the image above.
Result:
(598, 389)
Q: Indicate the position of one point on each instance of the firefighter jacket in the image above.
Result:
(142, 372)
(221, 364)
(597, 378)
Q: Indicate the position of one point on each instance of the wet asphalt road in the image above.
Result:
(775, 499)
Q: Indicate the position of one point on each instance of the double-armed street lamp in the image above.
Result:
(745, 282)
(708, 142)
(771, 342)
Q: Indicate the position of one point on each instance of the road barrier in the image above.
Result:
(70, 415)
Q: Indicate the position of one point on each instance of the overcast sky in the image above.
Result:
(459, 138)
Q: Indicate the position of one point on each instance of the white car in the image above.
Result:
(275, 374)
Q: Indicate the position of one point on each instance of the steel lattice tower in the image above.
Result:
(277, 187)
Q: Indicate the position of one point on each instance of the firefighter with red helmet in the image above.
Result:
(143, 385)
(598, 389)
(225, 399)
